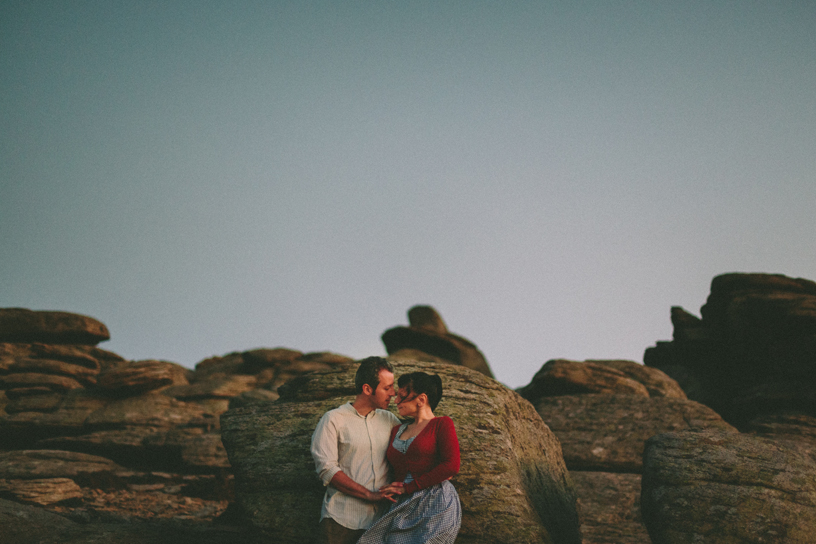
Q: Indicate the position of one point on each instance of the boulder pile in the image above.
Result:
(752, 355)
(603, 412)
(77, 421)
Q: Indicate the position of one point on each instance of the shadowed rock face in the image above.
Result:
(752, 354)
(727, 487)
(428, 334)
(513, 484)
(608, 432)
(22, 325)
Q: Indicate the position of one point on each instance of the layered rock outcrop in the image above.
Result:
(426, 338)
(727, 487)
(513, 484)
(752, 355)
(603, 412)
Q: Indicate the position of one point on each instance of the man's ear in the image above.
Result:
(367, 389)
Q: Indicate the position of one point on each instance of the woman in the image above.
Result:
(424, 454)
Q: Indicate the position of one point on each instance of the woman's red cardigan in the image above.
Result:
(432, 457)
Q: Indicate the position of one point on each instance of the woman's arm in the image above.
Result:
(447, 446)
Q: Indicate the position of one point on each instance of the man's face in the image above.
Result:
(385, 390)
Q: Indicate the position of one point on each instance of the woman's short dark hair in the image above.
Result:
(420, 382)
(368, 373)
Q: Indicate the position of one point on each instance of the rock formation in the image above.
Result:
(727, 487)
(82, 426)
(513, 484)
(426, 338)
(603, 412)
(752, 356)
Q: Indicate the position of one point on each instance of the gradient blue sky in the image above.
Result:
(208, 177)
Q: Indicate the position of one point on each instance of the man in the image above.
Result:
(348, 447)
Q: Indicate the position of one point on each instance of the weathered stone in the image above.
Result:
(258, 359)
(426, 317)
(142, 376)
(39, 464)
(753, 352)
(43, 492)
(230, 386)
(449, 347)
(798, 431)
(609, 508)
(31, 379)
(22, 325)
(726, 487)
(256, 396)
(564, 377)
(657, 382)
(513, 484)
(83, 374)
(26, 524)
(47, 402)
(197, 448)
(232, 363)
(608, 432)
(151, 410)
(90, 357)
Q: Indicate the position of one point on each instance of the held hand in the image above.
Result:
(395, 488)
(382, 495)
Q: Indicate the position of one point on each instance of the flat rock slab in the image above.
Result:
(40, 464)
(152, 410)
(609, 508)
(607, 432)
(513, 484)
(142, 376)
(657, 382)
(23, 325)
(725, 487)
(43, 491)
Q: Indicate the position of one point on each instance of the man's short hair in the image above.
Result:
(369, 372)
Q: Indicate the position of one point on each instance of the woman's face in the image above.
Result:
(406, 402)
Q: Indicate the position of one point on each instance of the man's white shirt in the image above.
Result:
(345, 440)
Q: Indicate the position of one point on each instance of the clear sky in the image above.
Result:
(552, 177)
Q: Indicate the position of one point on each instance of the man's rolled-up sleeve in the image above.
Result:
(324, 449)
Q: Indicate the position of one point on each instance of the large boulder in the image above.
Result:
(727, 487)
(22, 325)
(753, 353)
(565, 377)
(140, 377)
(428, 334)
(608, 432)
(513, 484)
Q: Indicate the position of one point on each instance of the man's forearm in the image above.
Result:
(344, 484)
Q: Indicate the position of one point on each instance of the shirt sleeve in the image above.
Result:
(447, 445)
(324, 449)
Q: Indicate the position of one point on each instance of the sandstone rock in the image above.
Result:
(196, 448)
(151, 410)
(22, 325)
(609, 508)
(32, 379)
(797, 431)
(425, 317)
(232, 363)
(435, 341)
(256, 396)
(608, 432)
(657, 382)
(142, 376)
(563, 377)
(86, 376)
(513, 484)
(726, 487)
(227, 387)
(43, 492)
(47, 402)
(40, 464)
(258, 359)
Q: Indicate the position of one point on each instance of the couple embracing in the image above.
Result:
(358, 446)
